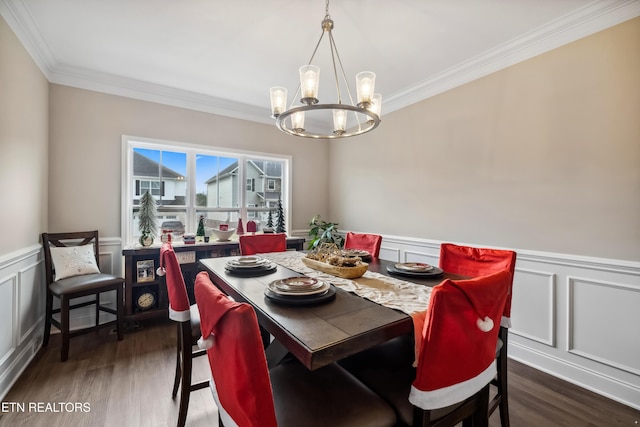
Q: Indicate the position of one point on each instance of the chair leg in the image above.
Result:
(97, 311)
(47, 320)
(504, 400)
(64, 323)
(176, 381)
(480, 417)
(185, 389)
(502, 380)
(120, 310)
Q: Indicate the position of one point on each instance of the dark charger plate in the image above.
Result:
(252, 272)
(435, 271)
(301, 299)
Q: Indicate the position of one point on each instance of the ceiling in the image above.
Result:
(223, 56)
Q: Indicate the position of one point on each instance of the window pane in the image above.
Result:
(266, 183)
(162, 173)
(216, 181)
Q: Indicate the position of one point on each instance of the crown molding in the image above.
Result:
(590, 19)
(596, 16)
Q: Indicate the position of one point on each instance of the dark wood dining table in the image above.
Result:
(317, 334)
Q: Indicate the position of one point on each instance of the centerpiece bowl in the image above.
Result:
(223, 235)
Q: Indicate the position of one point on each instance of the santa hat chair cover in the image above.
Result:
(262, 243)
(178, 298)
(474, 262)
(240, 383)
(458, 351)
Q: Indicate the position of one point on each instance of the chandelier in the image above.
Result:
(338, 120)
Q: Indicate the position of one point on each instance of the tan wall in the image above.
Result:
(23, 146)
(544, 155)
(85, 151)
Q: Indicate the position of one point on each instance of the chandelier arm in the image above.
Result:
(333, 46)
(316, 49)
(344, 78)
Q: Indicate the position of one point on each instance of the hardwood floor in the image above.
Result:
(128, 383)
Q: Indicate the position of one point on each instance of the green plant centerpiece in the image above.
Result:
(324, 232)
(147, 219)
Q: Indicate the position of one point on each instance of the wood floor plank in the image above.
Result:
(128, 383)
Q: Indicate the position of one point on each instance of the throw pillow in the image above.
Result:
(73, 261)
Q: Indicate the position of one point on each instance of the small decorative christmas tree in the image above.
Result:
(200, 230)
(280, 228)
(270, 220)
(147, 219)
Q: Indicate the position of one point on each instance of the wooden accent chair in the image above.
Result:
(188, 321)
(473, 262)
(248, 394)
(366, 242)
(262, 243)
(456, 359)
(72, 265)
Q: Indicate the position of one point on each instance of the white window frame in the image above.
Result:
(130, 142)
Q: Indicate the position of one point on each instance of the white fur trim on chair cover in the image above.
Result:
(224, 416)
(207, 343)
(179, 316)
(446, 396)
(505, 322)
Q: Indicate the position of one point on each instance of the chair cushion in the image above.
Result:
(73, 261)
(299, 393)
(85, 284)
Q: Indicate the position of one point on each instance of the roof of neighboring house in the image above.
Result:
(144, 166)
(266, 168)
(226, 171)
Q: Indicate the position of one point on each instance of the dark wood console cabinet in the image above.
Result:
(140, 264)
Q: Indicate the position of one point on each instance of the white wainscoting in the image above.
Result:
(575, 317)
(22, 306)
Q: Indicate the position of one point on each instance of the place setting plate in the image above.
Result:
(299, 290)
(414, 269)
(250, 266)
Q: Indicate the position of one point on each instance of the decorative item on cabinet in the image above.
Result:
(147, 219)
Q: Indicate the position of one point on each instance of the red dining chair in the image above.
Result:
(262, 243)
(188, 320)
(363, 241)
(473, 262)
(456, 360)
(248, 394)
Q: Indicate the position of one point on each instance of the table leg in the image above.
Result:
(275, 353)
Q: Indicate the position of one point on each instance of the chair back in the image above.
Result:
(240, 378)
(474, 262)
(363, 241)
(262, 243)
(64, 240)
(176, 289)
(458, 350)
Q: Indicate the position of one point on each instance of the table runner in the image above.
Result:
(410, 298)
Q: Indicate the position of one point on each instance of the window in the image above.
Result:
(188, 181)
